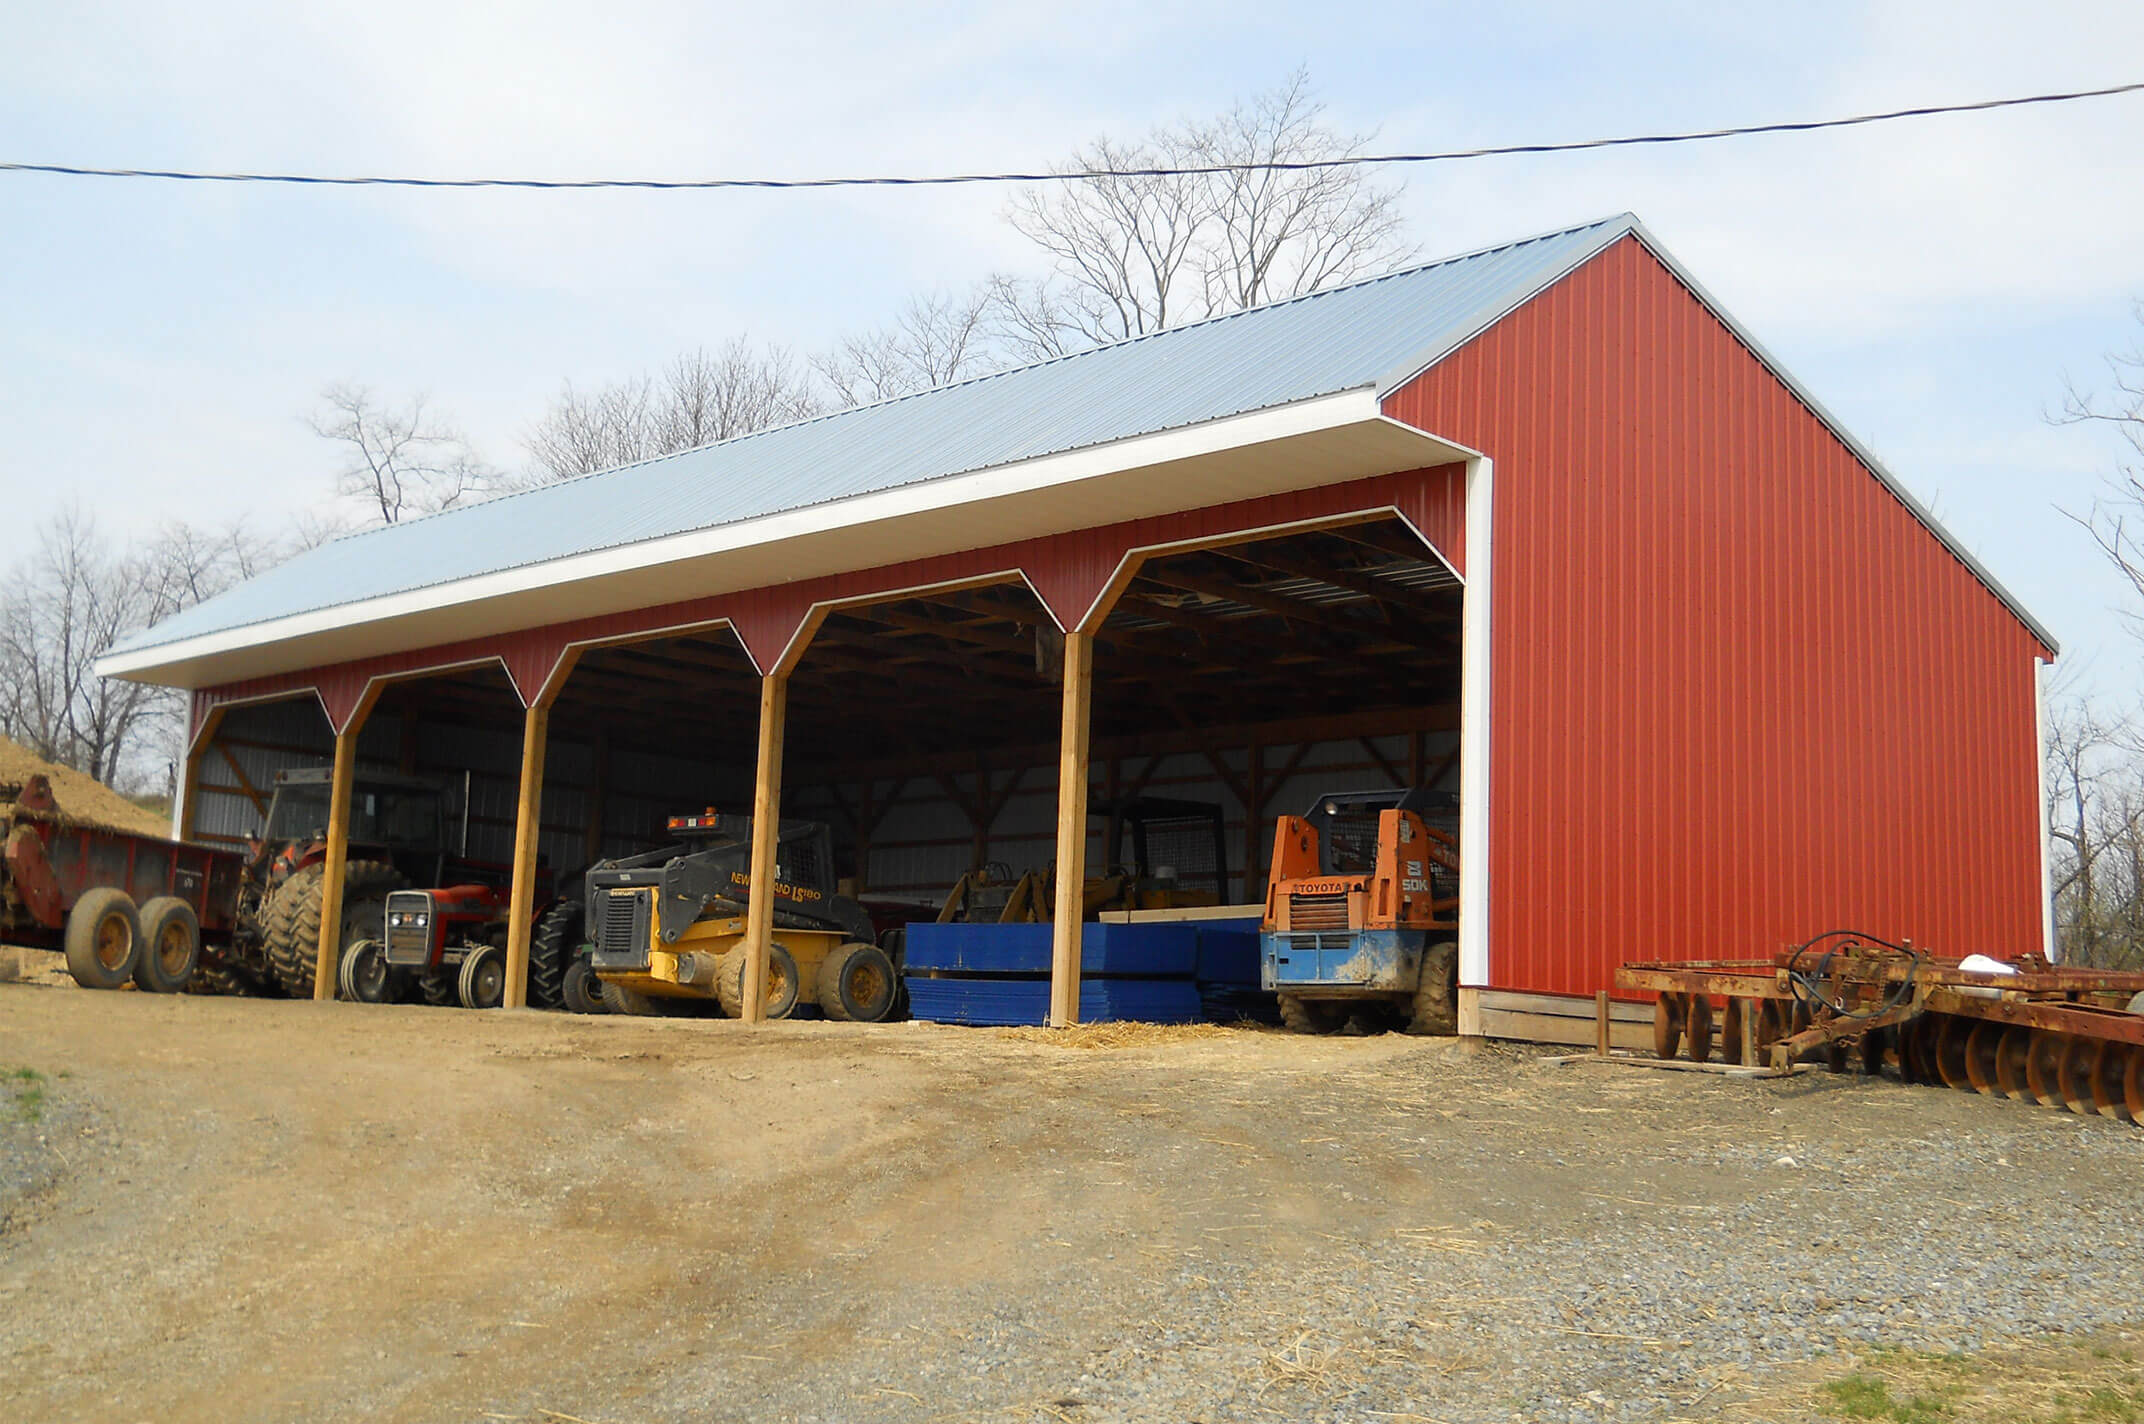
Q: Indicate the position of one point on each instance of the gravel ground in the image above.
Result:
(335, 1211)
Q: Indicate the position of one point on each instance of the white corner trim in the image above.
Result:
(1319, 413)
(2048, 947)
(1475, 663)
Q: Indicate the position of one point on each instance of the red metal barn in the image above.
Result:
(1537, 527)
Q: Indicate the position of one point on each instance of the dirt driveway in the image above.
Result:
(227, 1209)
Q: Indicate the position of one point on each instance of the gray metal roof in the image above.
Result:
(1376, 333)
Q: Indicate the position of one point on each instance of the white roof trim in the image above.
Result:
(1319, 441)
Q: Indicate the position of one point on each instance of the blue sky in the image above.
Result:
(1931, 281)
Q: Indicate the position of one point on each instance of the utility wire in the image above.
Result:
(1075, 175)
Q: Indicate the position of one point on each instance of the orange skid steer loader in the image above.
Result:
(1361, 910)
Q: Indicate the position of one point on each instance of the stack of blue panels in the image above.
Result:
(1000, 974)
(1228, 973)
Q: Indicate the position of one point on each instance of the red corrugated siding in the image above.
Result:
(1740, 694)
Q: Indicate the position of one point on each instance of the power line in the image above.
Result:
(1078, 175)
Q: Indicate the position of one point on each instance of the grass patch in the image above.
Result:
(26, 1092)
(2090, 1379)
(1865, 1396)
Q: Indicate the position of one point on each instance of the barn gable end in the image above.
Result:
(1741, 692)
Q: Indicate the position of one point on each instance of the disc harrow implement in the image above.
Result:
(2029, 1030)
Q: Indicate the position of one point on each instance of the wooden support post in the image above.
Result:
(528, 826)
(328, 959)
(766, 836)
(1751, 1008)
(1600, 1023)
(1071, 830)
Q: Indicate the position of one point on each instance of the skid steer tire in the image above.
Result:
(103, 938)
(582, 992)
(857, 984)
(1436, 992)
(170, 945)
(1301, 1015)
(293, 932)
(483, 978)
(552, 946)
(632, 1003)
(781, 982)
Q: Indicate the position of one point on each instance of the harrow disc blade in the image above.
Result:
(1699, 1029)
(2043, 1067)
(2073, 1074)
(1981, 1045)
(2133, 1083)
(1917, 1050)
(1771, 1019)
(1667, 1025)
(2011, 1043)
(1731, 1032)
(1953, 1036)
(2103, 1076)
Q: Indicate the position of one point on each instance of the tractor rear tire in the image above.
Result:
(1436, 992)
(552, 946)
(857, 984)
(103, 938)
(582, 992)
(210, 978)
(483, 978)
(170, 945)
(293, 929)
(1302, 1015)
(439, 988)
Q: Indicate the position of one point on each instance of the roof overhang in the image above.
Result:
(1321, 441)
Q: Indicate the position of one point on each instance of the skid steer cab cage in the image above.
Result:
(2028, 1029)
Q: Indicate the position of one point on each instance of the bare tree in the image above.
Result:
(2095, 797)
(73, 599)
(701, 397)
(2116, 518)
(1143, 253)
(397, 462)
(938, 338)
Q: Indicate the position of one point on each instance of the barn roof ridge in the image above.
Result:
(1610, 228)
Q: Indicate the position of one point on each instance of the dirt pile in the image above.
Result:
(81, 797)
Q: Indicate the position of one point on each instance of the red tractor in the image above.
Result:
(398, 836)
(449, 946)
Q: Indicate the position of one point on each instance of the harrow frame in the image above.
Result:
(2056, 1036)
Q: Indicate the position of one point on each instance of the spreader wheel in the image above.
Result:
(2011, 1047)
(1982, 1041)
(1953, 1037)
(1699, 1029)
(1667, 1025)
(2043, 1067)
